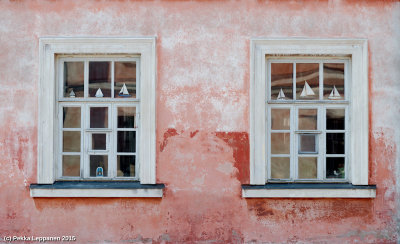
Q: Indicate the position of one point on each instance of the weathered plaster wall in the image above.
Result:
(202, 121)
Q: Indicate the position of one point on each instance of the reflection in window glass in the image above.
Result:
(126, 117)
(308, 119)
(99, 141)
(71, 141)
(73, 79)
(71, 117)
(307, 81)
(71, 165)
(308, 143)
(99, 117)
(281, 81)
(280, 119)
(125, 74)
(335, 119)
(280, 143)
(307, 167)
(334, 81)
(280, 168)
(99, 79)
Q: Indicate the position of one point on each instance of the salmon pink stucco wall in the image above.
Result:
(203, 80)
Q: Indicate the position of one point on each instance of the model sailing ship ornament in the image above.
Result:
(124, 92)
(307, 91)
(99, 93)
(281, 95)
(334, 94)
(72, 93)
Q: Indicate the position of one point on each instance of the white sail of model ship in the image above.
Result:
(281, 95)
(72, 93)
(334, 94)
(124, 92)
(99, 93)
(307, 91)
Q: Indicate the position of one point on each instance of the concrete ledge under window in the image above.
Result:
(96, 189)
(308, 190)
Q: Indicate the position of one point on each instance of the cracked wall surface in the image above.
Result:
(203, 81)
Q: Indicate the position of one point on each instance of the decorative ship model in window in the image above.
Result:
(307, 91)
(281, 95)
(124, 92)
(99, 93)
(72, 93)
(334, 94)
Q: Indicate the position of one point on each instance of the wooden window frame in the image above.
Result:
(49, 50)
(357, 51)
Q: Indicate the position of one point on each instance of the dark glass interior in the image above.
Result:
(126, 166)
(71, 117)
(281, 78)
(125, 73)
(99, 117)
(335, 119)
(126, 141)
(335, 143)
(99, 141)
(126, 117)
(100, 77)
(97, 161)
(335, 167)
(73, 79)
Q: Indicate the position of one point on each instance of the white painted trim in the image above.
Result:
(308, 193)
(357, 49)
(49, 48)
(96, 192)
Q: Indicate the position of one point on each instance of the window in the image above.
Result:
(97, 118)
(309, 119)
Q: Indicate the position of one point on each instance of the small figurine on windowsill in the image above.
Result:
(99, 172)
(124, 92)
(72, 93)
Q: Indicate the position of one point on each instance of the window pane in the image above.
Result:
(280, 119)
(335, 119)
(125, 73)
(98, 117)
(280, 168)
(307, 81)
(125, 166)
(335, 168)
(308, 143)
(98, 165)
(126, 117)
(71, 117)
(335, 143)
(71, 165)
(334, 81)
(71, 141)
(99, 79)
(308, 119)
(281, 81)
(126, 141)
(73, 79)
(308, 168)
(99, 141)
(280, 143)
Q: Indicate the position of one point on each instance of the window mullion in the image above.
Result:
(321, 142)
(86, 79)
(294, 152)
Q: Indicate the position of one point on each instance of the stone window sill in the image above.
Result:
(96, 189)
(304, 190)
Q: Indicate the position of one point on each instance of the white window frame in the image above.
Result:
(49, 49)
(356, 49)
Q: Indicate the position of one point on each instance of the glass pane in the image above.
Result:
(71, 141)
(334, 81)
(71, 165)
(308, 168)
(335, 143)
(335, 119)
(126, 117)
(280, 168)
(99, 141)
(308, 143)
(71, 117)
(307, 81)
(125, 166)
(281, 81)
(280, 119)
(280, 143)
(126, 141)
(98, 165)
(308, 119)
(98, 117)
(73, 79)
(99, 79)
(335, 168)
(125, 74)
